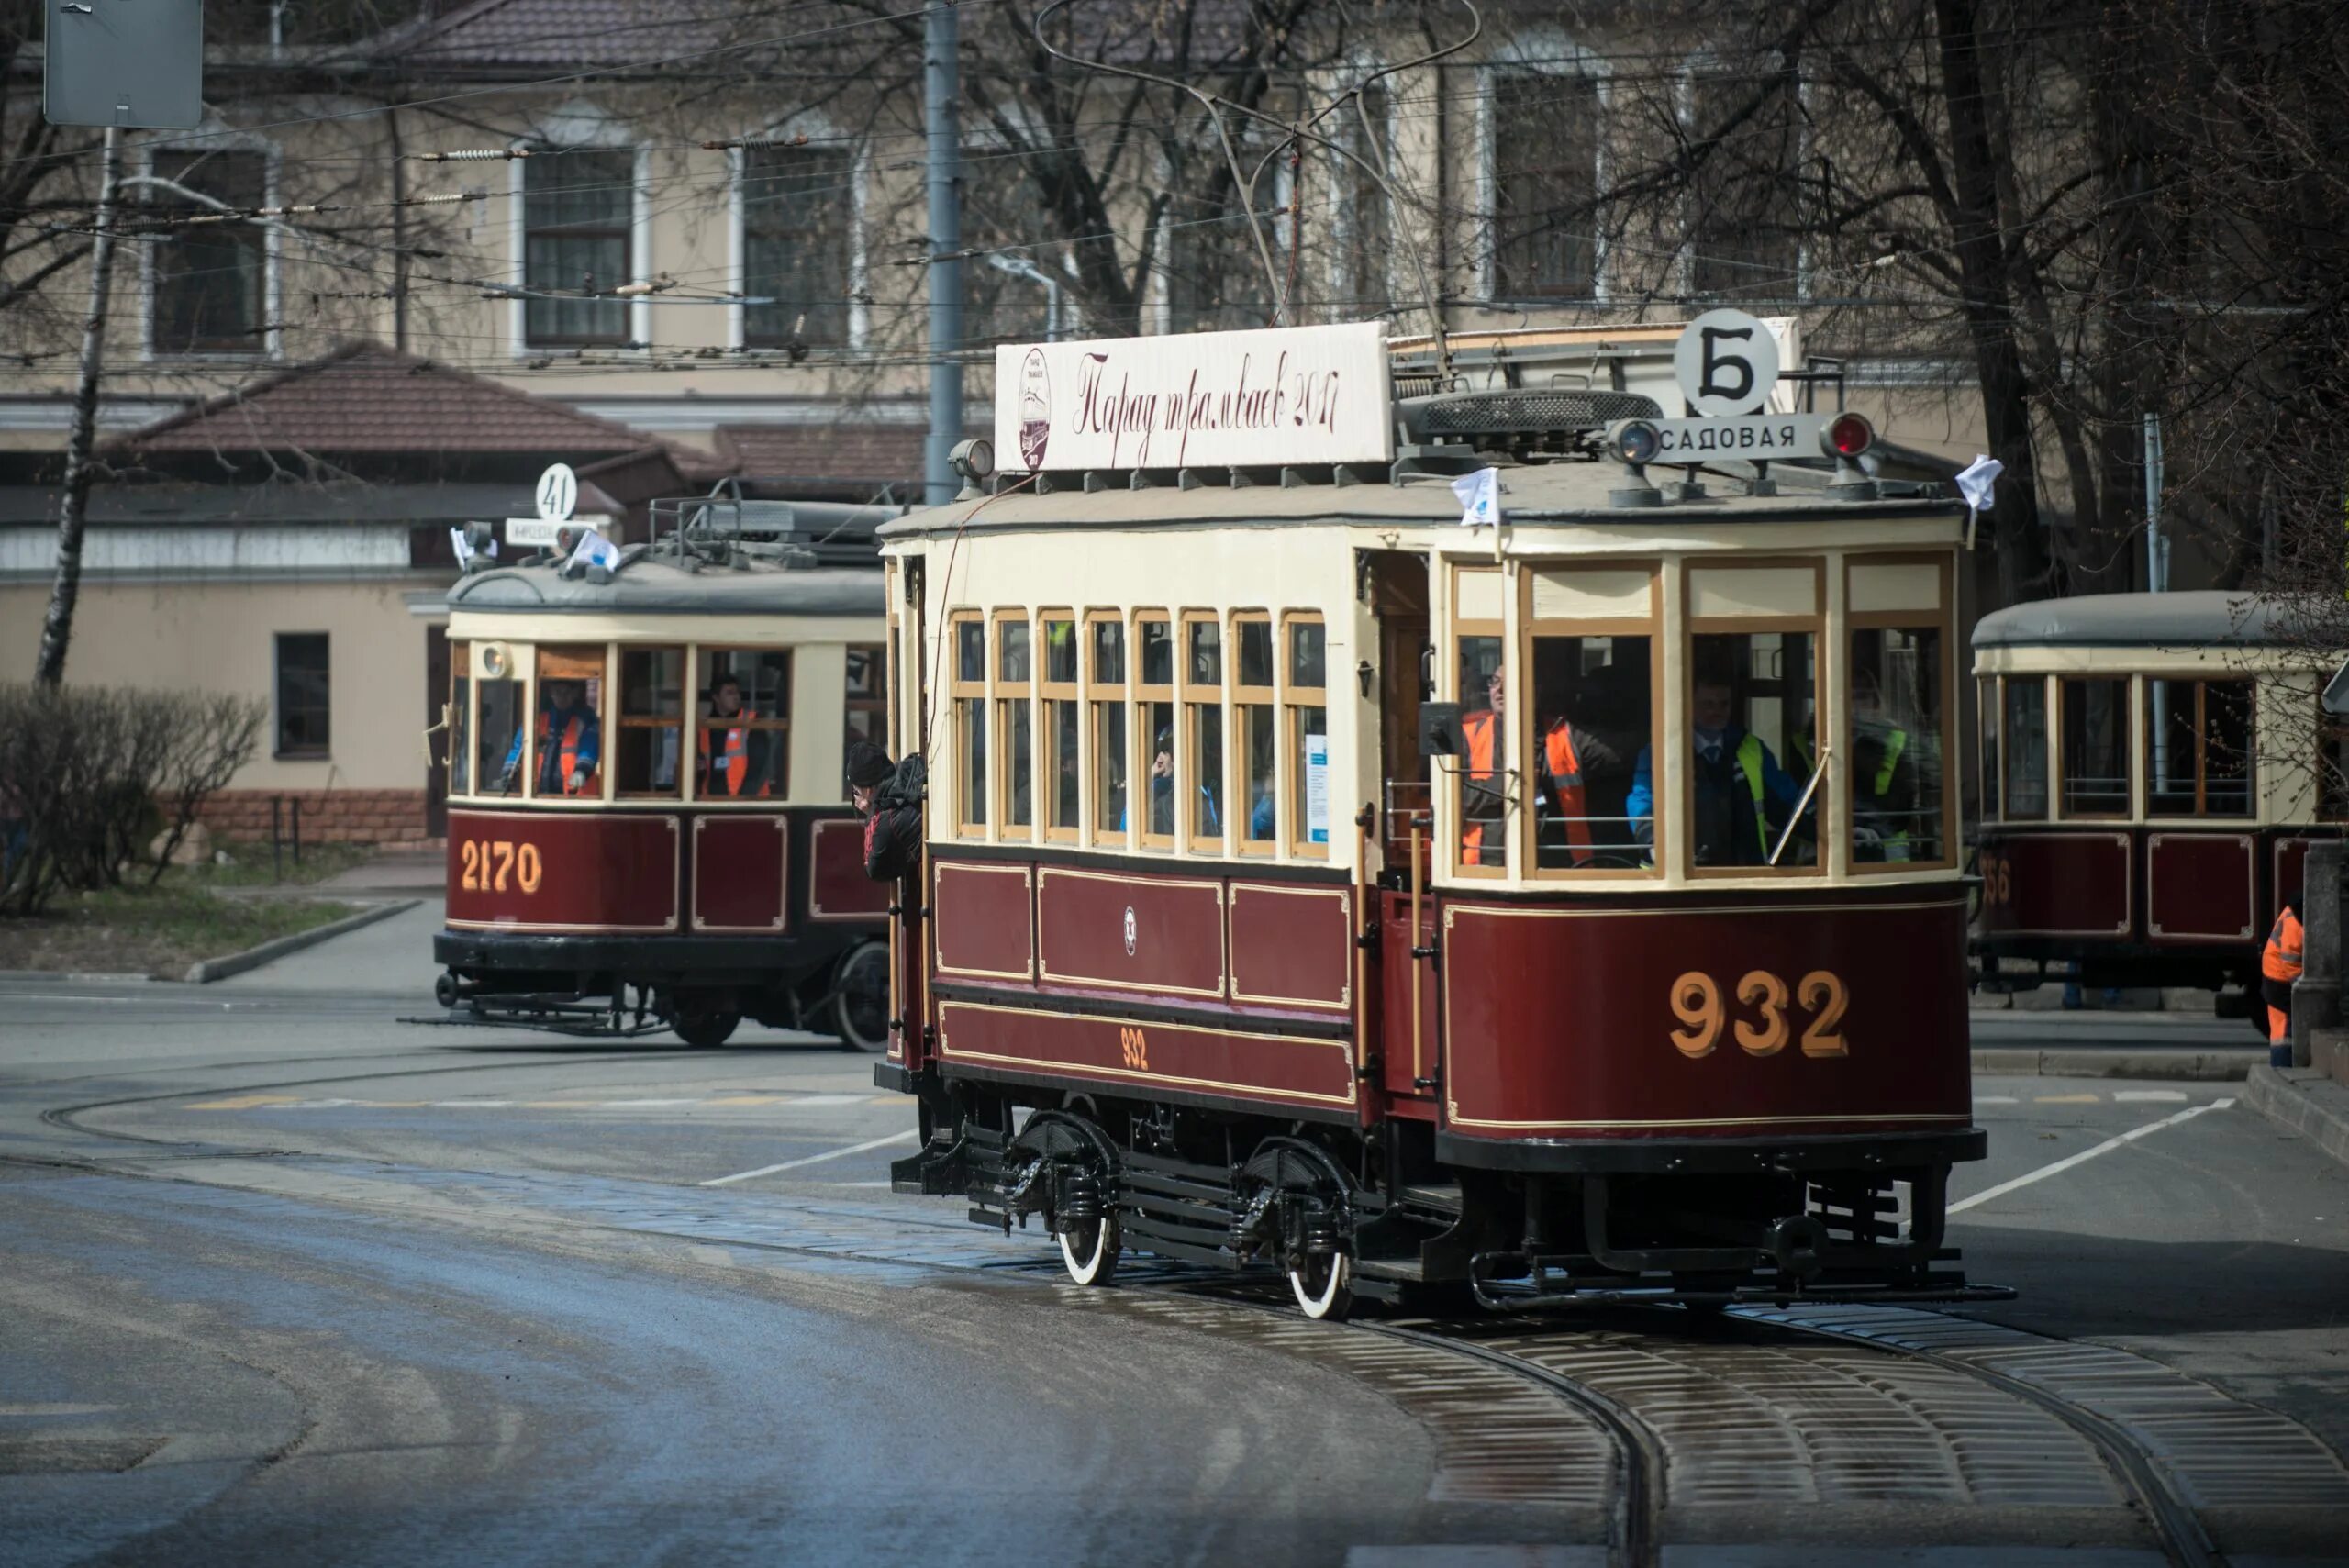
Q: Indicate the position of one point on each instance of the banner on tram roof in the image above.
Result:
(1294, 395)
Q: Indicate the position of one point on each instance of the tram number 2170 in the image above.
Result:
(491, 866)
(1696, 1001)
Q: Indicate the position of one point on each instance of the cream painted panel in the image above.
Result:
(819, 743)
(1753, 591)
(1590, 593)
(732, 631)
(1482, 595)
(1912, 585)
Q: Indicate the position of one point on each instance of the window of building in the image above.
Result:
(651, 723)
(797, 205)
(1368, 242)
(1254, 697)
(1112, 759)
(210, 280)
(1154, 722)
(1305, 698)
(1545, 186)
(459, 715)
(1215, 273)
(865, 698)
(1590, 665)
(578, 226)
(566, 750)
(1005, 216)
(303, 693)
(1745, 137)
(2198, 748)
(1063, 786)
(1480, 686)
(2022, 792)
(971, 782)
(1202, 781)
(742, 751)
(2096, 747)
(1015, 724)
(1899, 747)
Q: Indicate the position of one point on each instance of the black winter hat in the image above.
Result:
(868, 765)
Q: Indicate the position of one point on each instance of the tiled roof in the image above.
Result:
(831, 454)
(365, 398)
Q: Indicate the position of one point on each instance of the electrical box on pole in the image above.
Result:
(131, 64)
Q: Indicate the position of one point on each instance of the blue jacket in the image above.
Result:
(1721, 800)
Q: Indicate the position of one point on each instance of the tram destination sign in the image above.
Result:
(1285, 396)
(1751, 438)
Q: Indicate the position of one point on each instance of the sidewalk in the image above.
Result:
(405, 873)
(391, 958)
(2303, 1100)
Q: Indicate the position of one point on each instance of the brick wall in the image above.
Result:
(355, 815)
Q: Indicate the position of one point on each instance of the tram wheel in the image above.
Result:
(1091, 1249)
(1323, 1284)
(701, 1026)
(859, 1012)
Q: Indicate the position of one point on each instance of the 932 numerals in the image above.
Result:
(1696, 1001)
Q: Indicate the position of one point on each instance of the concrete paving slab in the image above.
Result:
(391, 957)
(2305, 1101)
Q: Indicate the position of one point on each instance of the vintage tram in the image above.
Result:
(2154, 769)
(647, 824)
(1543, 909)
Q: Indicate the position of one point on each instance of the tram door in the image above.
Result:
(908, 987)
(1398, 581)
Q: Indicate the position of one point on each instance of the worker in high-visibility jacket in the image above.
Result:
(733, 755)
(1884, 775)
(1483, 791)
(570, 743)
(2279, 965)
(1568, 755)
(1744, 798)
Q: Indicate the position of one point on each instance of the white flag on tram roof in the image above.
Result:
(1975, 480)
(1480, 497)
(594, 549)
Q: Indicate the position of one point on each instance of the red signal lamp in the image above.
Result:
(1847, 436)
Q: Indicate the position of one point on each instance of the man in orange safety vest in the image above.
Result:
(1566, 751)
(732, 755)
(2279, 965)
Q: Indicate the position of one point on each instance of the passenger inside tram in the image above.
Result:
(1744, 798)
(735, 760)
(569, 741)
(1590, 704)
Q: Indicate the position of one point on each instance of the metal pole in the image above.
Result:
(941, 87)
(73, 514)
(2156, 581)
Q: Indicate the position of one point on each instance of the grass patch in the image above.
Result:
(157, 932)
(250, 865)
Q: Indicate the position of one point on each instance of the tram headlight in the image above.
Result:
(1636, 443)
(1847, 436)
(973, 459)
(494, 662)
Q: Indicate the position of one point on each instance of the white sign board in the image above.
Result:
(540, 532)
(1285, 396)
(1726, 364)
(558, 493)
(1751, 438)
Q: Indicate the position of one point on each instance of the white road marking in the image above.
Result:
(2107, 1146)
(634, 1105)
(805, 1101)
(908, 1135)
(2165, 1097)
(1996, 1100)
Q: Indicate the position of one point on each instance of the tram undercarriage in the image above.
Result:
(1346, 1215)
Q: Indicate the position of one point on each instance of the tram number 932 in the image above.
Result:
(491, 866)
(1697, 1002)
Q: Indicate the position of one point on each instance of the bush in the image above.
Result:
(87, 774)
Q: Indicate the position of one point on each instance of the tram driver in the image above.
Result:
(571, 742)
(1744, 798)
(734, 757)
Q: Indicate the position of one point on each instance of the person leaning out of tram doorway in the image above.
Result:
(1568, 753)
(571, 742)
(1744, 798)
(2279, 965)
(735, 758)
(888, 796)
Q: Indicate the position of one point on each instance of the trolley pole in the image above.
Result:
(943, 87)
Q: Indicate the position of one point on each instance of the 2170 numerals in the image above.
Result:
(1697, 1002)
(491, 863)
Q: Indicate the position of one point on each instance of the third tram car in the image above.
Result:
(2154, 769)
(647, 826)
(1566, 908)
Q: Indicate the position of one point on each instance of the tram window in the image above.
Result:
(2096, 747)
(1483, 778)
(2198, 748)
(1063, 789)
(1306, 697)
(970, 694)
(1986, 702)
(1898, 746)
(1105, 690)
(568, 744)
(1203, 708)
(1154, 723)
(1591, 718)
(742, 746)
(501, 699)
(652, 721)
(1251, 711)
(461, 697)
(865, 696)
(1753, 715)
(1015, 724)
(2024, 785)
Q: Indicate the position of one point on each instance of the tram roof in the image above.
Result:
(1563, 491)
(2197, 618)
(651, 586)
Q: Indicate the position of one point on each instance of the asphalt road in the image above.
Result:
(372, 1294)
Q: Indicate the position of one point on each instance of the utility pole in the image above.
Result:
(942, 83)
(57, 627)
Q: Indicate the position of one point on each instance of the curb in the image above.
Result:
(2297, 1100)
(2178, 1063)
(212, 969)
(76, 976)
